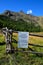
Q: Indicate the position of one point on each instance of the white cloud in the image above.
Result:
(29, 12)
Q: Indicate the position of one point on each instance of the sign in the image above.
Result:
(23, 39)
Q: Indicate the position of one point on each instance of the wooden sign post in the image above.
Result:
(8, 39)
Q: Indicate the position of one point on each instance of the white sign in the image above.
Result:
(23, 39)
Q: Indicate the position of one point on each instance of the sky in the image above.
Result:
(34, 7)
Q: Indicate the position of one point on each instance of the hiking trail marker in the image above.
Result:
(23, 39)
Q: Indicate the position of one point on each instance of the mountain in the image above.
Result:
(21, 21)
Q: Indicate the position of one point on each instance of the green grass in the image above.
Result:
(19, 58)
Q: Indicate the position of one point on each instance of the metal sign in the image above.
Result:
(23, 39)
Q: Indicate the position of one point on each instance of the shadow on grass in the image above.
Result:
(4, 60)
(2, 43)
(15, 41)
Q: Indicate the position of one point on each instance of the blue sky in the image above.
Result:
(34, 7)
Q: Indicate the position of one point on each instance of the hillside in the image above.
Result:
(21, 21)
(21, 58)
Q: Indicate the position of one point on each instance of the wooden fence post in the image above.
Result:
(8, 39)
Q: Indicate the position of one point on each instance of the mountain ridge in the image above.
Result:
(21, 16)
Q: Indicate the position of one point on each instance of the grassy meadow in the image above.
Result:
(19, 58)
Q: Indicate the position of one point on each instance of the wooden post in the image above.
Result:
(8, 46)
(7, 39)
(10, 41)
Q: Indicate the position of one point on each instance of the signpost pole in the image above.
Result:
(8, 39)
(8, 46)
